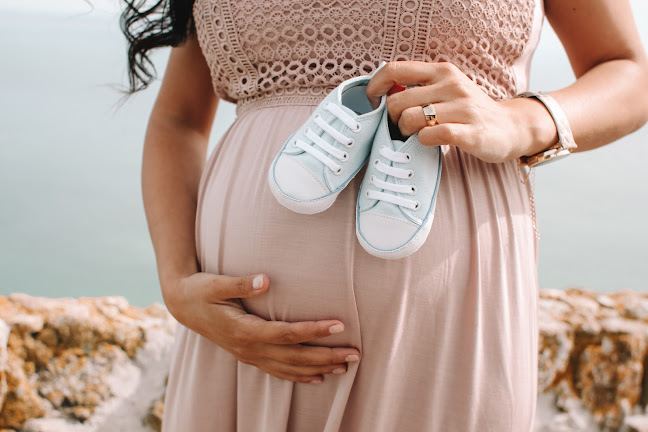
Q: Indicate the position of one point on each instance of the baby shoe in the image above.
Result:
(398, 193)
(327, 151)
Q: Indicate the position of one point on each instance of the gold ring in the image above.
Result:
(430, 115)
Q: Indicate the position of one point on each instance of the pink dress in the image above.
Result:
(448, 335)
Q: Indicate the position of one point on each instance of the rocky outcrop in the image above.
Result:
(592, 361)
(92, 364)
(98, 364)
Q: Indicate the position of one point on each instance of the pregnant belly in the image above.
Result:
(317, 268)
(243, 230)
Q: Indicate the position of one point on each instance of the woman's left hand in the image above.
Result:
(468, 118)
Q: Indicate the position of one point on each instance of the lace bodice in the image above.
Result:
(280, 51)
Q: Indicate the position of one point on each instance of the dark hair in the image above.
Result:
(146, 26)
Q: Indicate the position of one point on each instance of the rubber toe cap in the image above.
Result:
(296, 181)
(385, 232)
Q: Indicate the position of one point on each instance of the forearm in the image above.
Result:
(173, 160)
(608, 99)
(603, 105)
(606, 103)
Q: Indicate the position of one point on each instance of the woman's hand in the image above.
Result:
(468, 118)
(206, 304)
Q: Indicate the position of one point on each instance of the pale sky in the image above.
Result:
(61, 6)
(640, 7)
(595, 223)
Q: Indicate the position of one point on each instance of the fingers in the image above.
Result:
(415, 97)
(453, 106)
(303, 355)
(412, 119)
(304, 373)
(306, 364)
(312, 379)
(448, 134)
(257, 329)
(442, 84)
(217, 288)
(271, 346)
(406, 74)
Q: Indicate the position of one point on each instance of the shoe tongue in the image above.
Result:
(337, 125)
(388, 209)
(397, 145)
(383, 207)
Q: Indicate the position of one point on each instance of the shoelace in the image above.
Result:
(400, 173)
(340, 155)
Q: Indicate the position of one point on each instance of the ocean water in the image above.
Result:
(71, 217)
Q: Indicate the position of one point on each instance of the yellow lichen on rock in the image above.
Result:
(73, 361)
(67, 357)
(592, 353)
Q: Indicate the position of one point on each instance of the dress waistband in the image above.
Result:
(245, 105)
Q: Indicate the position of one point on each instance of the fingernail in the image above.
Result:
(352, 358)
(316, 381)
(339, 371)
(257, 282)
(337, 328)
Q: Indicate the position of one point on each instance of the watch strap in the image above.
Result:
(565, 136)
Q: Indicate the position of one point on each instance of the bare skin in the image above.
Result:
(603, 46)
(607, 57)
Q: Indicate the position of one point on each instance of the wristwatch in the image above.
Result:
(566, 142)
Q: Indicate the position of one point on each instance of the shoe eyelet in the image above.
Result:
(316, 116)
(376, 162)
(409, 157)
(372, 179)
(345, 157)
(351, 143)
(367, 194)
(414, 189)
(294, 143)
(339, 171)
(417, 205)
(308, 129)
(358, 128)
(410, 174)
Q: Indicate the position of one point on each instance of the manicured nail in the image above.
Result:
(316, 381)
(337, 328)
(257, 282)
(339, 371)
(352, 358)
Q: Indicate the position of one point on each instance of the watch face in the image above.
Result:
(549, 156)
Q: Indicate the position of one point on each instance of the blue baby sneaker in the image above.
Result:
(327, 151)
(398, 194)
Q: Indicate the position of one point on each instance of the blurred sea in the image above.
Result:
(71, 218)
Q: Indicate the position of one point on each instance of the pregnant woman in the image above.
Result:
(286, 323)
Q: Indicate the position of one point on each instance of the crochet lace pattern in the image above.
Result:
(278, 52)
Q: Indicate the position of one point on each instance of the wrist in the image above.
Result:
(535, 127)
(172, 287)
(173, 296)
